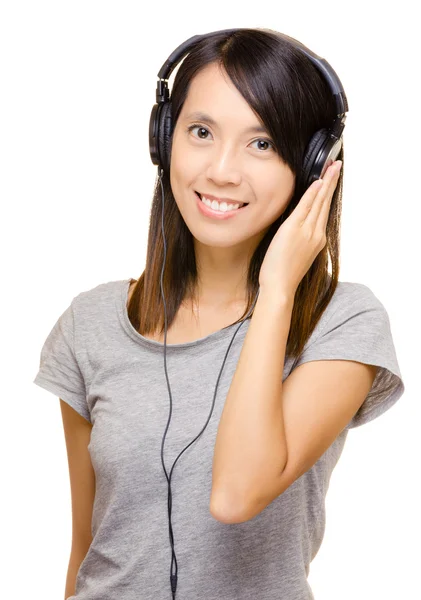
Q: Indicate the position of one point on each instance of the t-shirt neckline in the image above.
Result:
(122, 292)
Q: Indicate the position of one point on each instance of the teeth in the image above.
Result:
(223, 207)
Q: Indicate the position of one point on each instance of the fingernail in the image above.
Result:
(338, 166)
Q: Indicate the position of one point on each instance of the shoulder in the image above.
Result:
(348, 293)
(95, 309)
(99, 294)
(351, 299)
(353, 307)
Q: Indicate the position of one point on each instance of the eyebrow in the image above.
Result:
(201, 116)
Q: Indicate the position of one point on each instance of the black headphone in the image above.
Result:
(322, 150)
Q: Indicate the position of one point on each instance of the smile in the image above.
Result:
(210, 209)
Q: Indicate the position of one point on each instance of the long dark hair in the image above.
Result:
(293, 101)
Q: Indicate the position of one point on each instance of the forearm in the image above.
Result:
(76, 559)
(250, 447)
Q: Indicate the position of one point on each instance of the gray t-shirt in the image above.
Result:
(96, 361)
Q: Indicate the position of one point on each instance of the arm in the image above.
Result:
(76, 559)
(250, 448)
(77, 431)
(271, 433)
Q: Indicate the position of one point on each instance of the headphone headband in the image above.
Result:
(331, 77)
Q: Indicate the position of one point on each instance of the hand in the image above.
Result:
(300, 238)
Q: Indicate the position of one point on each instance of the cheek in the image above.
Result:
(275, 203)
(184, 169)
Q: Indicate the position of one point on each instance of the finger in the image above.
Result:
(314, 192)
(319, 213)
(305, 205)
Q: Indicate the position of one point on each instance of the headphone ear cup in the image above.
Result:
(312, 169)
(153, 134)
(165, 135)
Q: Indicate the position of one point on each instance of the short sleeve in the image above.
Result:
(359, 330)
(59, 371)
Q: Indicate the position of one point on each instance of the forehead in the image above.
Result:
(213, 98)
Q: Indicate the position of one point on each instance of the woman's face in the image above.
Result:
(226, 159)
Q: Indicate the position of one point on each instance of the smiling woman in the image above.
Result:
(228, 141)
(259, 436)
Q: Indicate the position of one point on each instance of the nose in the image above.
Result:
(223, 166)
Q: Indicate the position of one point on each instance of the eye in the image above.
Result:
(264, 141)
(204, 129)
(199, 126)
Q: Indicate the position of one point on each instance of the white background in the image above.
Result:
(78, 83)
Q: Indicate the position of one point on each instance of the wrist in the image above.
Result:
(276, 298)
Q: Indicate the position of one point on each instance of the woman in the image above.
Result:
(239, 457)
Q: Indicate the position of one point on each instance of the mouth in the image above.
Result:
(242, 204)
(220, 215)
